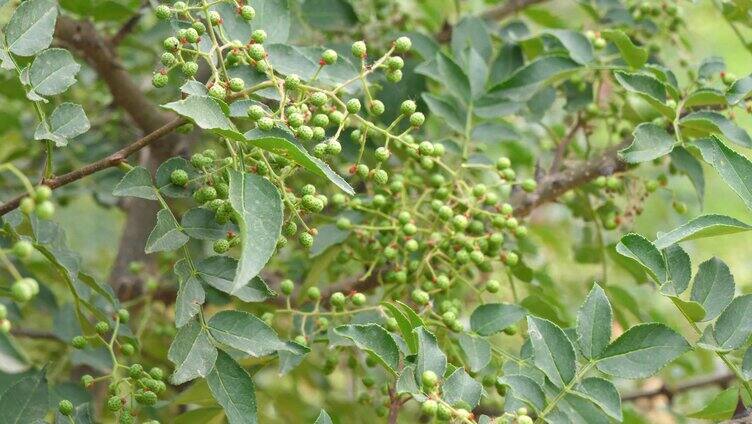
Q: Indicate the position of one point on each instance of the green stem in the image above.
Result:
(564, 392)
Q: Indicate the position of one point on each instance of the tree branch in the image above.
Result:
(109, 161)
(669, 391)
(509, 8)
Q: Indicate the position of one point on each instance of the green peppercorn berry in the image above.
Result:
(362, 170)
(128, 349)
(460, 222)
(21, 291)
(402, 45)
(189, 69)
(320, 120)
(292, 82)
(429, 407)
(221, 246)
(337, 300)
(135, 370)
(395, 63)
(524, 419)
(258, 36)
(45, 210)
(680, 207)
(529, 185)
(286, 287)
(27, 205)
(380, 176)
(429, 380)
(191, 35)
(394, 76)
(3, 311)
(304, 132)
(265, 123)
(382, 154)
(79, 342)
(313, 293)
(257, 52)
(160, 80)
(87, 380)
(199, 27)
(114, 403)
(156, 373)
(23, 249)
(180, 6)
(329, 57)
(179, 177)
(102, 327)
(358, 299)
(215, 18)
(333, 147)
(420, 297)
(162, 12)
(417, 119)
(359, 49)
(218, 92)
(336, 117)
(425, 148)
(295, 120)
(613, 183)
(377, 107)
(408, 107)
(247, 12)
(343, 223)
(353, 106)
(168, 59)
(171, 43)
(65, 407)
(305, 239)
(319, 99)
(236, 84)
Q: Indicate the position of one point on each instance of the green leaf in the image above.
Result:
(207, 113)
(430, 357)
(684, 162)
(446, 110)
(650, 142)
(282, 143)
(536, 72)
(190, 295)
(453, 77)
(52, 72)
(67, 121)
(705, 96)
(329, 15)
(552, 351)
(219, 272)
(642, 251)
(30, 29)
(405, 326)
(734, 325)
(192, 352)
(244, 332)
(323, 418)
(713, 287)
(491, 318)
(701, 227)
(720, 408)
(233, 388)
(165, 170)
(706, 122)
(679, 270)
(633, 55)
(642, 351)
(477, 351)
(739, 90)
(525, 389)
(166, 235)
(734, 169)
(200, 224)
(26, 400)
(747, 364)
(578, 46)
(233, 25)
(602, 393)
(711, 66)
(259, 215)
(374, 339)
(469, 33)
(691, 309)
(594, 323)
(304, 61)
(649, 88)
(460, 388)
(136, 183)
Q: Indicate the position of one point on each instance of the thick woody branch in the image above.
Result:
(109, 161)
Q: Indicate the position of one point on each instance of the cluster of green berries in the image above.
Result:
(39, 203)
(142, 389)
